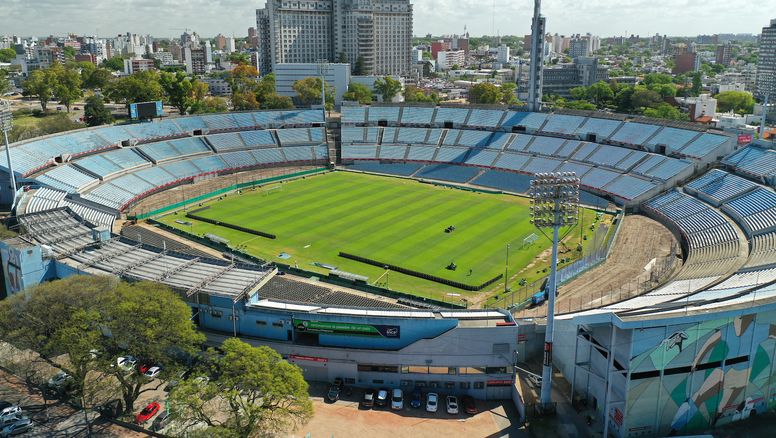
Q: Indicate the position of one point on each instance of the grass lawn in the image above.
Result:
(391, 220)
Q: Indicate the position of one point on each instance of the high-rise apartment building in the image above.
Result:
(766, 63)
(306, 31)
(724, 54)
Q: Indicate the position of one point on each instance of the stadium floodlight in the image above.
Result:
(6, 124)
(554, 204)
(323, 70)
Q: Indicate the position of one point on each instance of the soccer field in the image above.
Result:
(390, 220)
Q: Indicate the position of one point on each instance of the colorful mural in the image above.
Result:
(699, 375)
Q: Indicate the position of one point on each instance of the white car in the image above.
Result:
(397, 400)
(432, 402)
(452, 405)
(11, 411)
(153, 372)
(59, 379)
(126, 363)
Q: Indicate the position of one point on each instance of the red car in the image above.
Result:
(143, 367)
(468, 405)
(147, 412)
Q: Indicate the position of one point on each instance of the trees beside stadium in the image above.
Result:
(82, 324)
(253, 392)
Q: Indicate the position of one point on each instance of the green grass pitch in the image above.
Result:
(391, 220)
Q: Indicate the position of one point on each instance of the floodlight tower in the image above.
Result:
(537, 58)
(554, 204)
(6, 123)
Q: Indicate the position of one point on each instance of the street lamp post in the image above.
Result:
(506, 273)
(554, 204)
(6, 124)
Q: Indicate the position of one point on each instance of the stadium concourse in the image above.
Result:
(695, 351)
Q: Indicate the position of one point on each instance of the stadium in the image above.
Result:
(371, 247)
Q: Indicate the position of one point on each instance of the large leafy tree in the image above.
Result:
(115, 63)
(90, 320)
(740, 102)
(256, 393)
(67, 85)
(275, 101)
(181, 91)
(96, 78)
(245, 100)
(309, 92)
(150, 321)
(388, 88)
(41, 85)
(509, 93)
(60, 318)
(139, 87)
(6, 55)
(95, 113)
(665, 111)
(484, 93)
(358, 93)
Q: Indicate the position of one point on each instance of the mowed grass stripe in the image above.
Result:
(391, 220)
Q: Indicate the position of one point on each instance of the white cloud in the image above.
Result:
(209, 17)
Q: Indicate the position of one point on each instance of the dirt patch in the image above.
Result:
(623, 275)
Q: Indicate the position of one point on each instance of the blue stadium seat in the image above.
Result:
(359, 152)
(445, 172)
(421, 153)
(485, 118)
(562, 124)
(629, 187)
(190, 123)
(226, 142)
(417, 116)
(512, 161)
(258, 139)
(704, 145)
(482, 157)
(457, 116)
(381, 113)
(506, 181)
(634, 133)
(400, 169)
(353, 114)
(601, 128)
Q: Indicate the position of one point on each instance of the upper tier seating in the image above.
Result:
(755, 211)
(717, 186)
(754, 161)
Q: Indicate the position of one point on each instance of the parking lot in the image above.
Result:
(345, 418)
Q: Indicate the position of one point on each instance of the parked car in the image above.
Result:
(468, 405)
(432, 402)
(143, 368)
(161, 421)
(417, 399)
(59, 380)
(8, 420)
(397, 399)
(18, 427)
(5, 404)
(152, 372)
(149, 411)
(175, 382)
(369, 398)
(333, 394)
(452, 405)
(11, 410)
(126, 363)
(382, 397)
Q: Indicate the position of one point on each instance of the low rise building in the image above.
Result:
(337, 76)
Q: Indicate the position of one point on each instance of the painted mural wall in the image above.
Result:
(690, 377)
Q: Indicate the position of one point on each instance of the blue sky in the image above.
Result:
(210, 17)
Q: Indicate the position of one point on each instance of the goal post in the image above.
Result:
(268, 190)
(530, 240)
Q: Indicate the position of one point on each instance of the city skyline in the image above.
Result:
(169, 18)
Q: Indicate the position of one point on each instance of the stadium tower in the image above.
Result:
(537, 58)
